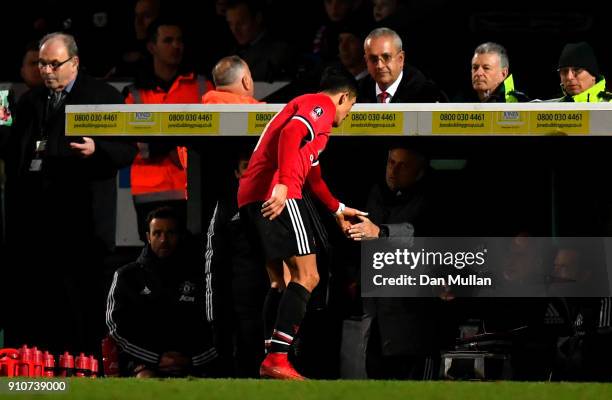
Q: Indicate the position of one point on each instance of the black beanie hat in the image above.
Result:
(579, 55)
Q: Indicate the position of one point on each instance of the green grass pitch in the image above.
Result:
(245, 389)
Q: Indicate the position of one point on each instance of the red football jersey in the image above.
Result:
(288, 149)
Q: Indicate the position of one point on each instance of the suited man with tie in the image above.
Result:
(391, 80)
(61, 208)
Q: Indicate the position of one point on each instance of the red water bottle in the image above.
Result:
(48, 365)
(37, 362)
(93, 363)
(82, 366)
(110, 357)
(66, 365)
(25, 361)
(9, 362)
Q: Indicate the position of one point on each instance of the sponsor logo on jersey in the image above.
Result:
(187, 288)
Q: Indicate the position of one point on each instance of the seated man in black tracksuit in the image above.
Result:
(155, 308)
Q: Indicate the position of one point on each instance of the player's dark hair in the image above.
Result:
(337, 79)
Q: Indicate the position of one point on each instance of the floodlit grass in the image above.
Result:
(244, 389)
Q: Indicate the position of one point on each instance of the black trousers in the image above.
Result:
(401, 367)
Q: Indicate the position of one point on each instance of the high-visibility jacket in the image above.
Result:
(219, 97)
(159, 177)
(506, 93)
(595, 94)
(512, 95)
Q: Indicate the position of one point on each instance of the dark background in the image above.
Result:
(551, 185)
(440, 37)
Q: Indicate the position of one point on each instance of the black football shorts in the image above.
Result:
(289, 234)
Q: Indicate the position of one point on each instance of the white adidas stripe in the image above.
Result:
(295, 228)
(298, 227)
(301, 227)
(205, 357)
(280, 342)
(301, 224)
(208, 255)
(206, 354)
(126, 346)
(428, 370)
(283, 335)
(604, 312)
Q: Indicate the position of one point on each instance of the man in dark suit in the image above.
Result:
(391, 80)
(61, 208)
(403, 335)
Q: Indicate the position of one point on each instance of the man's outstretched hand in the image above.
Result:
(363, 230)
(347, 217)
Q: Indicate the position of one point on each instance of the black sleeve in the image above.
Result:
(111, 153)
(376, 209)
(434, 94)
(114, 154)
(122, 320)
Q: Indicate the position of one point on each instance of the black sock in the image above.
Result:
(270, 311)
(291, 311)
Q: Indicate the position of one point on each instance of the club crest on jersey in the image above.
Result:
(316, 112)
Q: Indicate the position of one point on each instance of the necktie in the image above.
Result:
(56, 100)
(382, 97)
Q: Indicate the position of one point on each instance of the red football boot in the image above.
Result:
(277, 366)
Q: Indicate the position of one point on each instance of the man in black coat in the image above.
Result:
(403, 338)
(391, 80)
(492, 81)
(61, 207)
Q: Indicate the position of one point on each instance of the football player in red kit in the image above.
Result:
(284, 162)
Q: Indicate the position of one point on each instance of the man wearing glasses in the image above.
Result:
(398, 343)
(391, 80)
(61, 207)
(581, 81)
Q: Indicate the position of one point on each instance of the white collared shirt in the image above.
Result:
(391, 89)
